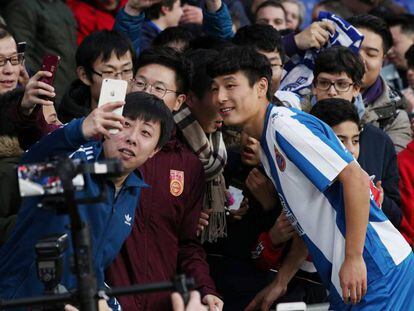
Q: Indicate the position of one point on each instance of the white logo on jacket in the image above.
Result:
(127, 220)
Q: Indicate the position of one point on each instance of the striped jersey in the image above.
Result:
(303, 157)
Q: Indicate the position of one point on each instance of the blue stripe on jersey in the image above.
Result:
(306, 167)
(375, 213)
(324, 132)
(322, 264)
(334, 194)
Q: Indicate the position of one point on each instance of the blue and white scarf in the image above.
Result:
(298, 71)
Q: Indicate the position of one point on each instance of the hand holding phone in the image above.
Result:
(113, 91)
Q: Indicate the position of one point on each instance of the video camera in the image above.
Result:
(58, 181)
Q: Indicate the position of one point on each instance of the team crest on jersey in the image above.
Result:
(280, 160)
(176, 182)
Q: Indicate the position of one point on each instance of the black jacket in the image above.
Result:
(377, 157)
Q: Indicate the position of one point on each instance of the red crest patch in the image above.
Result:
(280, 160)
(176, 182)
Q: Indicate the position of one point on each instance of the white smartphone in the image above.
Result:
(291, 306)
(113, 91)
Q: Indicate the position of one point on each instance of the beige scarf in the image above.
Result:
(211, 151)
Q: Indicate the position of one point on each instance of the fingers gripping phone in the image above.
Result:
(113, 91)
(50, 63)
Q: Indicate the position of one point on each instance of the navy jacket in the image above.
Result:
(110, 222)
(377, 157)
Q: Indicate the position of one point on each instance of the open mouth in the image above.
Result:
(8, 82)
(248, 150)
(127, 152)
(226, 110)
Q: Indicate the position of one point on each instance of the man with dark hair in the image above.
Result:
(402, 30)
(409, 91)
(338, 73)
(101, 55)
(177, 38)
(142, 130)
(267, 41)
(383, 105)
(47, 28)
(359, 255)
(160, 16)
(163, 240)
(342, 116)
(271, 13)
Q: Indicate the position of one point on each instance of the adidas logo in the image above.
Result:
(127, 220)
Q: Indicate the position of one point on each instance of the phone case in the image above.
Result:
(50, 63)
(113, 91)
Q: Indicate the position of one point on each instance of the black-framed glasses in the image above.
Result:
(158, 89)
(125, 74)
(339, 85)
(15, 59)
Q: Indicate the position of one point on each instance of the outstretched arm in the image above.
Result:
(353, 272)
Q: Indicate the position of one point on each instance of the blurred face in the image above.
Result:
(401, 44)
(348, 134)
(174, 14)
(329, 85)
(250, 150)
(372, 53)
(205, 112)
(134, 144)
(292, 15)
(9, 74)
(114, 68)
(160, 81)
(237, 100)
(272, 16)
(277, 68)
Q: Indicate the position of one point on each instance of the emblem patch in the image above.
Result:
(280, 160)
(176, 182)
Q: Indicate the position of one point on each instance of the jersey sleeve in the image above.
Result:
(313, 147)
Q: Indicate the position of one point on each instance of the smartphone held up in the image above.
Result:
(113, 90)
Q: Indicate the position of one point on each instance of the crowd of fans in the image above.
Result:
(199, 194)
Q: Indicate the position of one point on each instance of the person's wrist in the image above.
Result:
(27, 108)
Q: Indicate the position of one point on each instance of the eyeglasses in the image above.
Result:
(125, 74)
(339, 85)
(157, 88)
(15, 59)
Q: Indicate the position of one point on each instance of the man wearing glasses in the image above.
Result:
(10, 62)
(338, 73)
(101, 55)
(163, 239)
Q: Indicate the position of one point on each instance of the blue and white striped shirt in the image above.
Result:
(303, 157)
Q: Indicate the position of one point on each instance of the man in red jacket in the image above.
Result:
(93, 15)
(163, 241)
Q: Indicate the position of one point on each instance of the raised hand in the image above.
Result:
(101, 120)
(37, 93)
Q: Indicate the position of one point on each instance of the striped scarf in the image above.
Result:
(211, 151)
